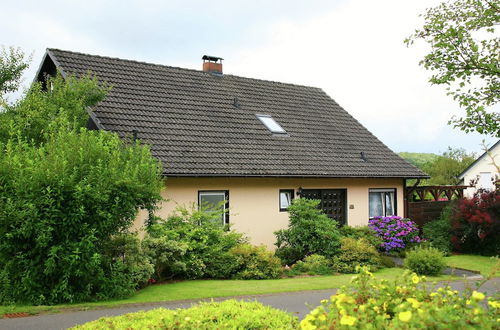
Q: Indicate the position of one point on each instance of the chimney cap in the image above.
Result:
(211, 58)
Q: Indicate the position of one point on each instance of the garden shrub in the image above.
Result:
(387, 261)
(255, 263)
(229, 314)
(438, 232)
(407, 303)
(125, 249)
(364, 232)
(476, 224)
(60, 202)
(425, 261)
(314, 264)
(396, 233)
(191, 243)
(355, 253)
(310, 231)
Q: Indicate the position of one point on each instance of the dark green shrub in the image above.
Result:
(310, 231)
(425, 261)
(354, 253)
(314, 264)
(191, 244)
(387, 262)
(125, 249)
(229, 314)
(364, 232)
(60, 202)
(255, 263)
(438, 232)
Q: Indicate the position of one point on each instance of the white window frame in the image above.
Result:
(393, 201)
(225, 193)
(291, 191)
(271, 124)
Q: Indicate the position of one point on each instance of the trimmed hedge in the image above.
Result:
(229, 314)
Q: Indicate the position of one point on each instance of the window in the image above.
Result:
(286, 197)
(382, 202)
(485, 181)
(271, 124)
(211, 200)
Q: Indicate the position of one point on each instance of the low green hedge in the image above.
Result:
(229, 314)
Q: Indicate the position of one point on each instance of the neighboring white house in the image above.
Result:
(482, 172)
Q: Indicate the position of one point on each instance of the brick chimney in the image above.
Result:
(212, 64)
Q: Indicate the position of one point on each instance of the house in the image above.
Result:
(251, 145)
(482, 173)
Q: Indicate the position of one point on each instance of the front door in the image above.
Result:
(333, 202)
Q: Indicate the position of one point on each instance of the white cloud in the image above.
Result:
(357, 55)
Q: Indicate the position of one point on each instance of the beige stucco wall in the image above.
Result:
(254, 202)
(483, 165)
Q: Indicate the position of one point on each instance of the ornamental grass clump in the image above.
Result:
(396, 233)
(406, 303)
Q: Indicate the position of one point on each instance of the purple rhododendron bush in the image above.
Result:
(397, 233)
(407, 303)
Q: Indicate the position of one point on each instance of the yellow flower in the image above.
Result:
(414, 302)
(322, 317)
(433, 294)
(494, 304)
(405, 316)
(305, 325)
(415, 279)
(347, 320)
(478, 296)
(187, 318)
(315, 312)
(476, 311)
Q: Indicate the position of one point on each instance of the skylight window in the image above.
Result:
(271, 124)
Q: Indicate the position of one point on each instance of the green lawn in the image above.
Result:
(200, 289)
(472, 262)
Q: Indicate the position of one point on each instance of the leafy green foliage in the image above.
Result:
(355, 253)
(310, 231)
(463, 35)
(229, 314)
(255, 263)
(59, 203)
(42, 112)
(418, 159)
(425, 261)
(125, 249)
(405, 303)
(443, 169)
(192, 244)
(13, 62)
(438, 232)
(362, 232)
(314, 264)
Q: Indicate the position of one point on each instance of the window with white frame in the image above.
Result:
(286, 197)
(215, 200)
(382, 202)
(486, 181)
(271, 124)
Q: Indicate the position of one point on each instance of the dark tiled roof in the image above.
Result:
(190, 120)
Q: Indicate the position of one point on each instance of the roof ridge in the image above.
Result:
(180, 68)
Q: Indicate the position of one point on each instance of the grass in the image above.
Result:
(200, 289)
(473, 262)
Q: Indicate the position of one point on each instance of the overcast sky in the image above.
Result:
(353, 49)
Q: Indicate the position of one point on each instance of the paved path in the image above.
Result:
(294, 302)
